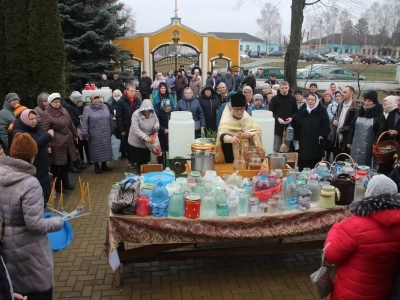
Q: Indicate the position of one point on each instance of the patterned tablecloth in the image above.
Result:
(152, 230)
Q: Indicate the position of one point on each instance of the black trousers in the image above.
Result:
(141, 156)
(83, 146)
(47, 295)
(125, 148)
(61, 173)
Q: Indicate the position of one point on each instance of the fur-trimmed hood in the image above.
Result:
(374, 206)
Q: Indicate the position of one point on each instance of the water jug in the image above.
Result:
(266, 121)
(242, 203)
(315, 188)
(181, 133)
(247, 187)
(159, 200)
(176, 205)
(289, 133)
(290, 195)
(208, 207)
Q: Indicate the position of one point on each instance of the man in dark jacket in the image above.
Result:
(126, 106)
(145, 85)
(103, 82)
(71, 105)
(209, 80)
(180, 83)
(210, 104)
(313, 88)
(250, 81)
(117, 84)
(230, 81)
(196, 66)
(272, 80)
(238, 79)
(284, 109)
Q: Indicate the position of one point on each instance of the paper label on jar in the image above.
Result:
(253, 209)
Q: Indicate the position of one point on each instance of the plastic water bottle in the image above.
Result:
(159, 200)
(247, 187)
(290, 194)
(243, 203)
(289, 133)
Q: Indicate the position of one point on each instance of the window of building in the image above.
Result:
(369, 51)
(330, 49)
(363, 51)
(271, 49)
(241, 47)
(258, 48)
(247, 47)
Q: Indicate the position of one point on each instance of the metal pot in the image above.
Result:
(202, 161)
(277, 161)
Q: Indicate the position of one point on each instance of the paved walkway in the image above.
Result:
(82, 271)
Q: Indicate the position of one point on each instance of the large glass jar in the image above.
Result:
(208, 207)
(252, 206)
(192, 206)
(200, 189)
(196, 175)
(222, 204)
(176, 205)
(315, 188)
(328, 194)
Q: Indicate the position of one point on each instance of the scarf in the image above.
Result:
(230, 125)
(131, 100)
(391, 103)
(310, 109)
(25, 117)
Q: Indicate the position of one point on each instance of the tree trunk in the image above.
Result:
(293, 49)
(3, 78)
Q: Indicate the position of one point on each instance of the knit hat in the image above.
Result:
(380, 185)
(266, 86)
(328, 92)
(23, 146)
(18, 110)
(372, 95)
(95, 95)
(25, 116)
(42, 98)
(238, 100)
(76, 96)
(275, 86)
(258, 96)
(313, 84)
(53, 97)
(11, 96)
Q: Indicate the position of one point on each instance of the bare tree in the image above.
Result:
(129, 17)
(270, 24)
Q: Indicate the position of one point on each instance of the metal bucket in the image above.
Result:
(202, 161)
(277, 161)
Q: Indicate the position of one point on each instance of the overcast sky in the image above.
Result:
(210, 15)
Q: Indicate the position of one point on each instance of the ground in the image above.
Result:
(82, 272)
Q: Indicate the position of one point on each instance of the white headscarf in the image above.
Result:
(392, 103)
(309, 109)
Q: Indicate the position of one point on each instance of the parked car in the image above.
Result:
(388, 59)
(316, 57)
(276, 53)
(265, 72)
(244, 56)
(343, 58)
(324, 53)
(372, 59)
(302, 56)
(356, 55)
(255, 55)
(331, 56)
(314, 71)
(340, 74)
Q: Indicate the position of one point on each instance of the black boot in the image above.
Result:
(97, 168)
(104, 167)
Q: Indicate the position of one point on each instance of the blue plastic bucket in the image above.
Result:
(59, 240)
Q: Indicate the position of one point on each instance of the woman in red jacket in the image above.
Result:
(366, 246)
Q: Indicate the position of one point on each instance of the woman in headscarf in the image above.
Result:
(366, 246)
(28, 123)
(237, 129)
(163, 93)
(248, 93)
(159, 78)
(163, 112)
(389, 104)
(41, 105)
(312, 130)
(368, 123)
(332, 108)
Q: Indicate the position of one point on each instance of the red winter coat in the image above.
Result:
(366, 247)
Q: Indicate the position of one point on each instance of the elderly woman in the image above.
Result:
(28, 123)
(144, 123)
(112, 102)
(248, 93)
(190, 103)
(24, 241)
(389, 104)
(366, 246)
(368, 123)
(97, 126)
(257, 104)
(312, 130)
(237, 129)
(195, 84)
(332, 108)
(63, 148)
(41, 105)
(6, 118)
(210, 104)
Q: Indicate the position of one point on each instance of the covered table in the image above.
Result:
(153, 236)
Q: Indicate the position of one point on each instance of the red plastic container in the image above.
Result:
(87, 87)
(192, 206)
(265, 195)
(143, 205)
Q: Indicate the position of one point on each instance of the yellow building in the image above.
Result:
(175, 45)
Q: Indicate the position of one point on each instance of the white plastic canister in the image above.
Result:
(266, 121)
(180, 133)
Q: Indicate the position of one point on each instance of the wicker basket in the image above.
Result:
(253, 151)
(384, 151)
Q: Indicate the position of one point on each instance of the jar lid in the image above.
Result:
(362, 172)
(328, 187)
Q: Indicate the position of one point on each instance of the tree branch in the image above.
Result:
(312, 3)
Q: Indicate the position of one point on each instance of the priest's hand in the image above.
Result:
(235, 140)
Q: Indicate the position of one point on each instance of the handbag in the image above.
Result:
(322, 279)
(125, 200)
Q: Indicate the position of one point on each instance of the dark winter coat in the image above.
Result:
(42, 161)
(238, 80)
(180, 83)
(72, 110)
(6, 117)
(379, 123)
(145, 85)
(103, 83)
(27, 250)
(283, 107)
(6, 288)
(192, 105)
(366, 247)
(250, 81)
(391, 123)
(163, 119)
(198, 68)
(210, 106)
(309, 127)
(230, 82)
(344, 130)
(117, 85)
(64, 133)
(112, 106)
(97, 125)
(124, 114)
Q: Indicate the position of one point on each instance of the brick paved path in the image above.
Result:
(82, 271)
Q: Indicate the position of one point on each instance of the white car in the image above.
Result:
(244, 56)
(331, 56)
(343, 58)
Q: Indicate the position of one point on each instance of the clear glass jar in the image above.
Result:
(303, 199)
(272, 206)
(196, 175)
(242, 203)
(200, 189)
(253, 204)
(208, 206)
(176, 205)
(222, 204)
